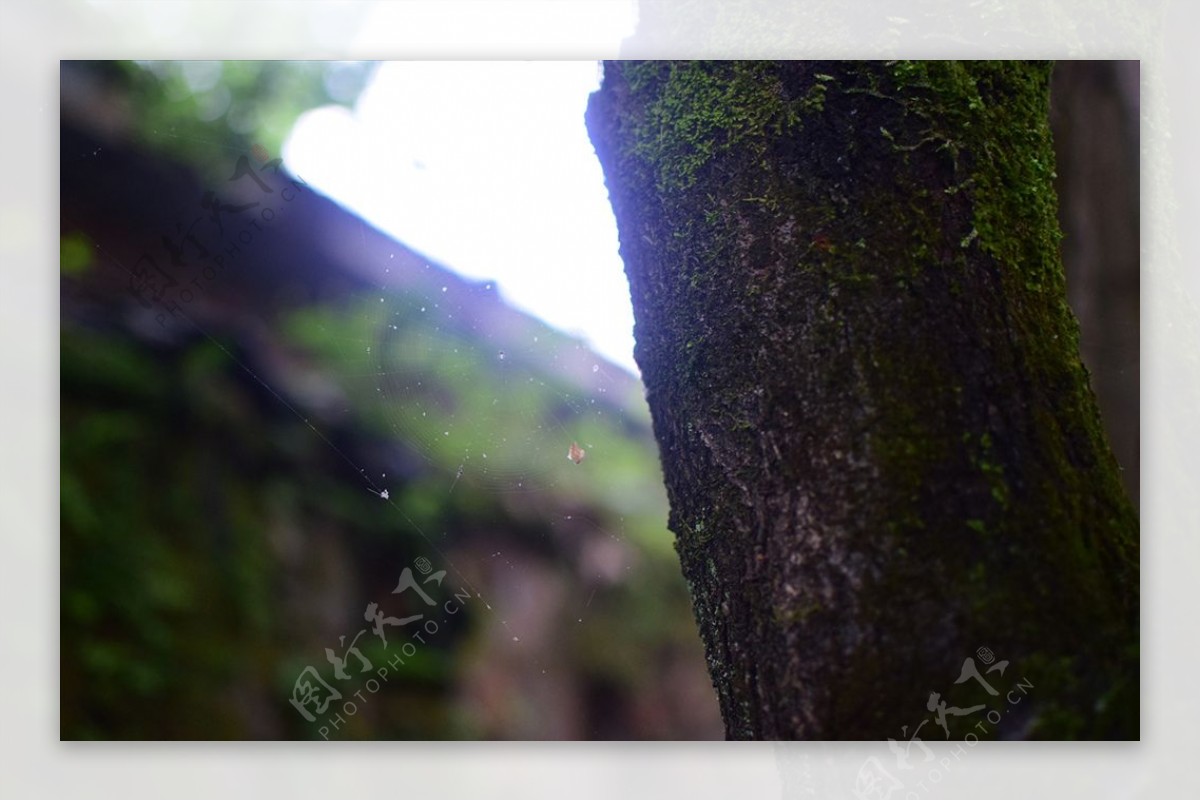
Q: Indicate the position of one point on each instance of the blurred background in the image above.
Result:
(329, 337)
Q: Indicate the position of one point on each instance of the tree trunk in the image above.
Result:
(1094, 117)
(881, 451)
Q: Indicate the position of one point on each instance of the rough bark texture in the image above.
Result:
(878, 440)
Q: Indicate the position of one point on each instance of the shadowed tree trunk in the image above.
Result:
(892, 497)
(1094, 116)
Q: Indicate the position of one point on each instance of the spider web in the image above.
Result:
(497, 411)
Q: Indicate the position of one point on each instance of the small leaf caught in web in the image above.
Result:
(576, 453)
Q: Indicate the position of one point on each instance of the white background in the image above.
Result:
(33, 36)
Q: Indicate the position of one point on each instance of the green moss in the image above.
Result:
(698, 533)
(796, 614)
(887, 234)
(1011, 159)
(702, 109)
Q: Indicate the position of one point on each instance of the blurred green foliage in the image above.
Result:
(213, 543)
(173, 487)
(74, 253)
(176, 481)
(201, 112)
(454, 397)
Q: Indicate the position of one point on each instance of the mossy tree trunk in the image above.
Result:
(879, 443)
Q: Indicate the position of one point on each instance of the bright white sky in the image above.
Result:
(487, 168)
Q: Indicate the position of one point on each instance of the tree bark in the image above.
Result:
(877, 437)
(1094, 114)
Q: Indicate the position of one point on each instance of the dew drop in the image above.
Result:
(516, 639)
(595, 368)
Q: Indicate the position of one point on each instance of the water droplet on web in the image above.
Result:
(422, 308)
(502, 355)
(446, 433)
(516, 639)
(443, 289)
(595, 368)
